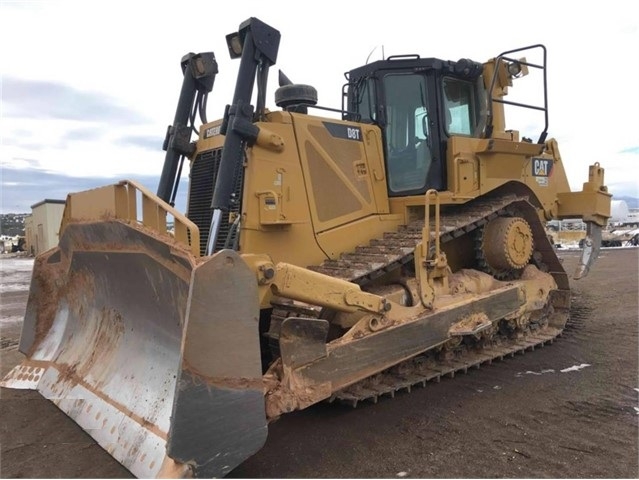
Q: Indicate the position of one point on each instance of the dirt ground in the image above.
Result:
(531, 416)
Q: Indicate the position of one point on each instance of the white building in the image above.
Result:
(42, 227)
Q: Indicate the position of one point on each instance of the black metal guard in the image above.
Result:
(502, 57)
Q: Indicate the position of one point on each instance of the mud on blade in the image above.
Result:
(153, 354)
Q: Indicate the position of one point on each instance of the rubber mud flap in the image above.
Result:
(218, 418)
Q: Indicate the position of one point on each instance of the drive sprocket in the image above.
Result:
(504, 247)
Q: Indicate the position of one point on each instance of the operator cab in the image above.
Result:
(418, 103)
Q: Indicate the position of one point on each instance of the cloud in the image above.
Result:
(630, 150)
(30, 140)
(22, 188)
(21, 163)
(624, 188)
(22, 143)
(85, 134)
(24, 98)
(147, 142)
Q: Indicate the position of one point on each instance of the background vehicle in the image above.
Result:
(320, 259)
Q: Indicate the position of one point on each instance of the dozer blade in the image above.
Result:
(154, 354)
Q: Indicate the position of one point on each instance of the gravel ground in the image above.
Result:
(565, 411)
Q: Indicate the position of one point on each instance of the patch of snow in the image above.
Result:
(575, 368)
(529, 372)
(402, 474)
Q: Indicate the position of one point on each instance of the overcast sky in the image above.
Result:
(89, 87)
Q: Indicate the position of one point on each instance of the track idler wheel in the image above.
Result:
(506, 246)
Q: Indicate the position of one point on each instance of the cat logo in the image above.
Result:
(541, 167)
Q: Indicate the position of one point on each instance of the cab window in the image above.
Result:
(408, 154)
(363, 101)
(458, 107)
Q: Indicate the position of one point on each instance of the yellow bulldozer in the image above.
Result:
(321, 258)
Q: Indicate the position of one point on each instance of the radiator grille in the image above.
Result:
(203, 176)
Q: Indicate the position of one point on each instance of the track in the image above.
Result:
(394, 250)
(419, 371)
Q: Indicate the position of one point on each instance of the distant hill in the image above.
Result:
(632, 202)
